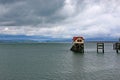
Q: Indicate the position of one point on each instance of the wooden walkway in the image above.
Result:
(100, 47)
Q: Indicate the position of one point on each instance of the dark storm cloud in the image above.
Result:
(9, 1)
(45, 7)
(31, 12)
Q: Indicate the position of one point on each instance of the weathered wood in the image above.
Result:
(116, 46)
(78, 48)
(100, 46)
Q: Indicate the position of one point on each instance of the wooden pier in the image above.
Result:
(78, 45)
(100, 46)
(116, 47)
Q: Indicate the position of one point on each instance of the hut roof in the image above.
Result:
(74, 38)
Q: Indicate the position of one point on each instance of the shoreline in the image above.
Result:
(56, 42)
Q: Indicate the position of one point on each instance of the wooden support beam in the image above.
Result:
(100, 46)
(117, 47)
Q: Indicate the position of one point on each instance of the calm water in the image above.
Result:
(54, 61)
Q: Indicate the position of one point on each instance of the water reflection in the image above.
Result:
(78, 59)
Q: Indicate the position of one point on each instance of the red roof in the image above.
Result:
(74, 38)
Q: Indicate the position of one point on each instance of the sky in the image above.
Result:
(60, 18)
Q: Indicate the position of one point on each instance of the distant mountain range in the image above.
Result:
(105, 39)
(36, 39)
(29, 39)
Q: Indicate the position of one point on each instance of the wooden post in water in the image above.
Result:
(116, 47)
(100, 46)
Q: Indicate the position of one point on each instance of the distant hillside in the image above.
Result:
(29, 39)
(24, 38)
(105, 39)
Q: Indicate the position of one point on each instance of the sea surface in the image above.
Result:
(55, 61)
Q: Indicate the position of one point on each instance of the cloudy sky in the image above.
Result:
(60, 18)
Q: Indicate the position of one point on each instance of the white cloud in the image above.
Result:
(53, 31)
(88, 18)
(68, 9)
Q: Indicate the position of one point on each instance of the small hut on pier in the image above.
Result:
(78, 44)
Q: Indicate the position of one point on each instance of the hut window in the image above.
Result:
(79, 40)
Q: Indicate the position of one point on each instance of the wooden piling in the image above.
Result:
(100, 46)
(116, 47)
